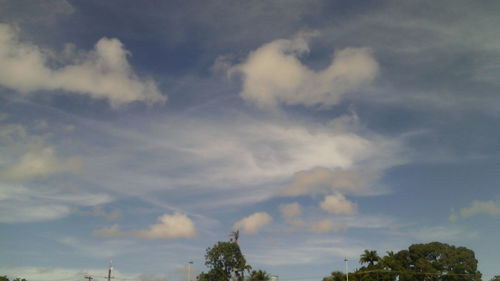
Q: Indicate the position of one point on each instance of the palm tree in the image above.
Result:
(259, 275)
(369, 257)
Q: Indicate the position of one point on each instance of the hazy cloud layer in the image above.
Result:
(325, 225)
(103, 73)
(324, 180)
(253, 223)
(21, 203)
(40, 163)
(291, 210)
(274, 75)
(171, 226)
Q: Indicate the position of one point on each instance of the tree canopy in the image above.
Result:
(224, 261)
(420, 262)
(5, 278)
(259, 275)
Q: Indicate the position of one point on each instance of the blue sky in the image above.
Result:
(144, 133)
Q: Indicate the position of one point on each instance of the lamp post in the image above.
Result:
(189, 270)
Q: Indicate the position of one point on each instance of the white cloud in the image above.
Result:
(171, 226)
(324, 180)
(491, 208)
(39, 163)
(273, 75)
(337, 204)
(253, 223)
(102, 73)
(242, 159)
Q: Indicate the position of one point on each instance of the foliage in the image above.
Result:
(495, 278)
(259, 275)
(224, 261)
(421, 262)
(335, 276)
(370, 257)
(4, 278)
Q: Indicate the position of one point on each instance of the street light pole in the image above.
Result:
(189, 270)
(346, 269)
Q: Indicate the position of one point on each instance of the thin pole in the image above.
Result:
(189, 270)
(346, 269)
(109, 270)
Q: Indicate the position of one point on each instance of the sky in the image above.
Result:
(143, 132)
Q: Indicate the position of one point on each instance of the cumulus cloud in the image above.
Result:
(39, 163)
(476, 208)
(171, 226)
(253, 223)
(102, 73)
(324, 180)
(273, 75)
(337, 204)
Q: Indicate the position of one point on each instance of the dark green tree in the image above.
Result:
(224, 261)
(369, 257)
(259, 275)
(335, 276)
(420, 262)
(5, 278)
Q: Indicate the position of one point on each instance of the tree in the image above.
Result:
(224, 261)
(370, 257)
(5, 278)
(495, 278)
(420, 262)
(335, 276)
(259, 275)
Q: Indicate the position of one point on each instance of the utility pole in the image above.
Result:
(109, 270)
(189, 270)
(346, 269)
